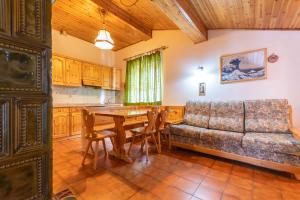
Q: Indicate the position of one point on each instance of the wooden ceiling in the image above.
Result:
(129, 25)
(249, 14)
(82, 19)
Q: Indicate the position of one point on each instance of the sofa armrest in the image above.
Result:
(296, 133)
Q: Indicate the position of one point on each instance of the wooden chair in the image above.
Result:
(146, 132)
(95, 136)
(163, 115)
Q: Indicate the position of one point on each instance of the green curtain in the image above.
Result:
(144, 80)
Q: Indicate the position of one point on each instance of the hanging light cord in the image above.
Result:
(128, 5)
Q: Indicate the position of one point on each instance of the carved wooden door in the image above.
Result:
(25, 100)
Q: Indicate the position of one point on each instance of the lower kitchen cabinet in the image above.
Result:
(66, 122)
(61, 122)
(75, 121)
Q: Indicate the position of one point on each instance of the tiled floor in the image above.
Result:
(177, 175)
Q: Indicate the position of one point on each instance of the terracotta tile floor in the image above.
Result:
(179, 174)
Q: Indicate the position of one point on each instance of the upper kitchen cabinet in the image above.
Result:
(106, 77)
(58, 70)
(5, 28)
(73, 73)
(30, 21)
(116, 78)
(66, 71)
(91, 74)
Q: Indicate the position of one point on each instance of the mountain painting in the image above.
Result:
(245, 66)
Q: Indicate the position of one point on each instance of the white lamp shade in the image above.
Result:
(103, 40)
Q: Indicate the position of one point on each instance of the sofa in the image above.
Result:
(257, 132)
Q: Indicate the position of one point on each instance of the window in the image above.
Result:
(144, 80)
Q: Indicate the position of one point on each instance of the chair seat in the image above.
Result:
(138, 130)
(103, 134)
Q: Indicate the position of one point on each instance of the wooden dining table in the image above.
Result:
(121, 117)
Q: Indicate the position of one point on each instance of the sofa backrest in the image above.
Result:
(227, 116)
(197, 113)
(267, 116)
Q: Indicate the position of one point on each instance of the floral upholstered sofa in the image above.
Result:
(256, 132)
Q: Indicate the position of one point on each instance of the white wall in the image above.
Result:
(76, 48)
(181, 77)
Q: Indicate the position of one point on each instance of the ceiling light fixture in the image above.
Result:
(104, 40)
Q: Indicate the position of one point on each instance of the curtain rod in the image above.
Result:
(141, 54)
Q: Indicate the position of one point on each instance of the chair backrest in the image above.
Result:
(89, 121)
(163, 119)
(152, 117)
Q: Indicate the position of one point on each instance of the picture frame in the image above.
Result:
(244, 66)
(202, 89)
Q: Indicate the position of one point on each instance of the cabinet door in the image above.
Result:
(58, 70)
(116, 79)
(106, 77)
(31, 22)
(76, 120)
(61, 123)
(73, 72)
(88, 74)
(5, 17)
(97, 75)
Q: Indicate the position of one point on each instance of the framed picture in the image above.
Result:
(202, 89)
(245, 66)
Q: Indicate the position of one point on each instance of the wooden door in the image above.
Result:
(58, 70)
(116, 79)
(31, 21)
(5, 21)
(73, 68)
(25, 100)
(106, 77)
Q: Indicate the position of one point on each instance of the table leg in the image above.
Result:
(119, 151)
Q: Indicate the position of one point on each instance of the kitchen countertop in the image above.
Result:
(86, 105)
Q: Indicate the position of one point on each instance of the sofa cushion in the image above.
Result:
(227, 116)
(216, 139)
(272, 142)
(197, 113)
(267, 116)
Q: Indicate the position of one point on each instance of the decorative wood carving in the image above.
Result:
(5, 17)
(32, 118)
(31, 20)
(4, 127)
(24, 178)
(25, 100)
(21, 68)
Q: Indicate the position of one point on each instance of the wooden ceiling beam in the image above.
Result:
(109, 6)
(185, 16)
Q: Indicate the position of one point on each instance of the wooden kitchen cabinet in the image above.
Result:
(106, 77)
(73, 73)
(58, 70)
(75, 121)
(116, 78)
(91, 74)
(61, 122)
(66, 122)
